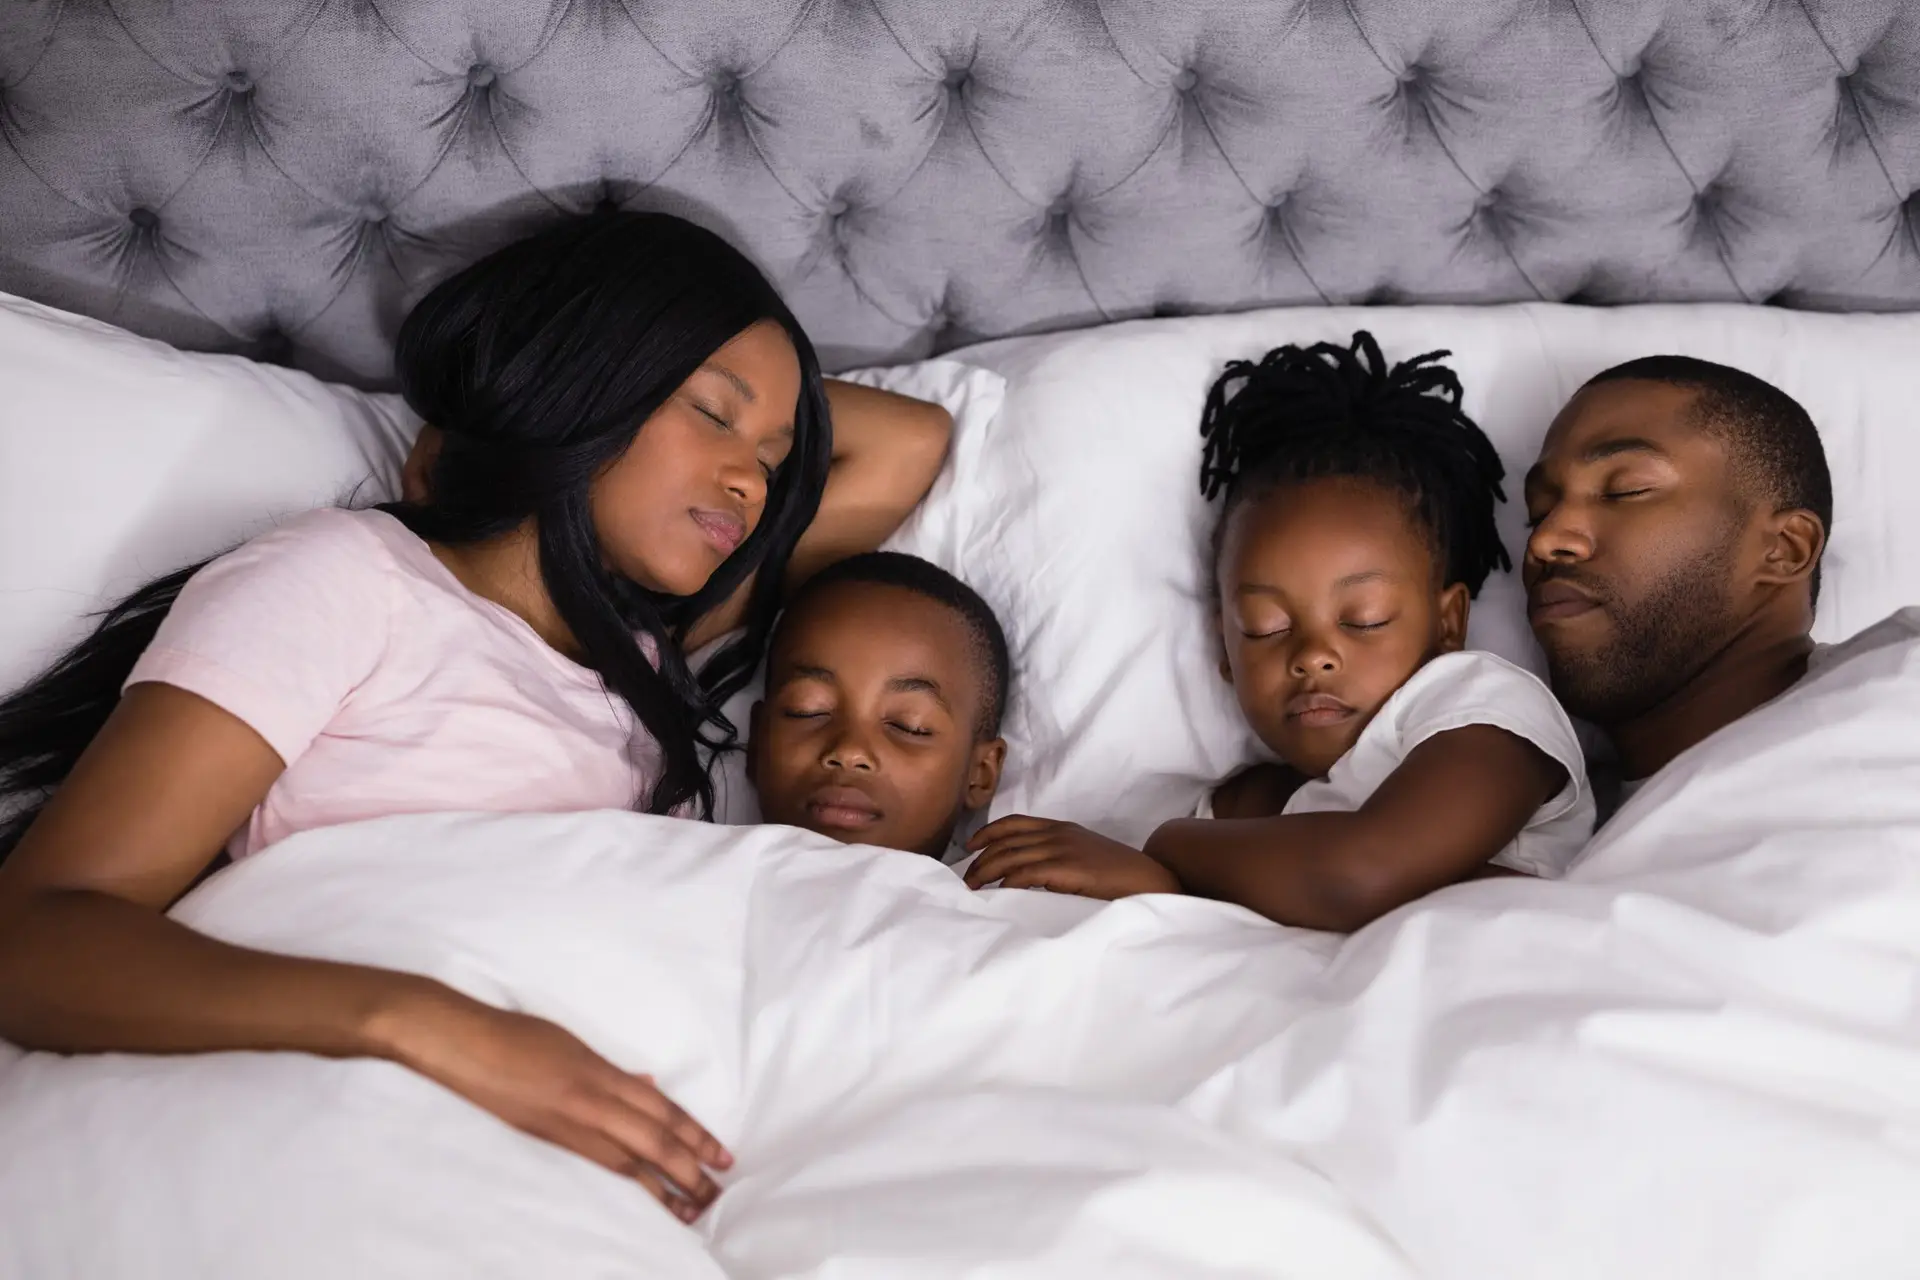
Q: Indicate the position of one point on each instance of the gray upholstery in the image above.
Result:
(283, 176)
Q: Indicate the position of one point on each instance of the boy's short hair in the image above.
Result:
(924, 578)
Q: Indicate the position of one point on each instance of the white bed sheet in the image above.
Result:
(1697, 1056)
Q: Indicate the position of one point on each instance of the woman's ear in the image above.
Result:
(1455, 605)
(414, 488)
(983, 772)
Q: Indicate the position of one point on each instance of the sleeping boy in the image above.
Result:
(886, 680)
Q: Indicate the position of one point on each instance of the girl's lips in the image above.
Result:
(1317, 710)
(722, 530)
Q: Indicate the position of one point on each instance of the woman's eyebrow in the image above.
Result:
(739, 383)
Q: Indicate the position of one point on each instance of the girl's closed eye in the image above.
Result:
(911, 730)
(1366, 626)
(1264, 625)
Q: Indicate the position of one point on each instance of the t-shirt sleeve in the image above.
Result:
(279, 632)
(1459, 689)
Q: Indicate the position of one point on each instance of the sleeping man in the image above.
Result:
(886, 680)
(1679, 511)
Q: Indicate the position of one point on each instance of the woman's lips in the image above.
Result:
(722, 530)
(1317, 710)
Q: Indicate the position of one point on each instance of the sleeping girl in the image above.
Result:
(1358, 523)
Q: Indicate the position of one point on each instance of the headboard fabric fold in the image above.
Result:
(283, 177)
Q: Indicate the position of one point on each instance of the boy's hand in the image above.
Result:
(1037, 853)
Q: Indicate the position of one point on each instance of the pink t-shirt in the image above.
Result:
(387, 686)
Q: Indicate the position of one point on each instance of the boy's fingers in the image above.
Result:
(996, 864)
(995, 854)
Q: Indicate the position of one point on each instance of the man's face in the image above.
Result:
(1638, 550)
(868, 731)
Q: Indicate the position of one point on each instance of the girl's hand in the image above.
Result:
(1036, 853)
(543, 1080)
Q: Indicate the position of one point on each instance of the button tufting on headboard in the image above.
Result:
(970, 167)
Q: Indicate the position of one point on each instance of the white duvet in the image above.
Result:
(1697, 1057)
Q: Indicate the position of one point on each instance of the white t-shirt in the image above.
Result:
(1450, 692)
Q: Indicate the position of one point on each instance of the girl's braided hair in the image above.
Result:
(1310, 413)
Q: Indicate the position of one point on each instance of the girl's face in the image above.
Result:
(693, 484)
(1328, 604)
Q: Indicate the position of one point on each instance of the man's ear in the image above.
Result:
(1794, 540)
(983, 772)
(753, 740)
(1455, 606)
(419, 465)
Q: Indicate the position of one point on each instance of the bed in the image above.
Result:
(1699, 1056)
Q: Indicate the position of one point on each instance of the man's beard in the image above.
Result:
(1658, 645)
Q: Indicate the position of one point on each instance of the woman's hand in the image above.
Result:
(543, 1080)
(1037, 853)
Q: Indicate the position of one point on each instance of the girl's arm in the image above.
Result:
(1456, 801)
(89, 963)
(887, 449)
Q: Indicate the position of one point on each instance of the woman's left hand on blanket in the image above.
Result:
(1038, 853)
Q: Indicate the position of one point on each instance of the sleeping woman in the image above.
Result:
(632, 455)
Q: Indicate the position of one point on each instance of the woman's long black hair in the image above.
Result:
(538, 364)
(1309, 413)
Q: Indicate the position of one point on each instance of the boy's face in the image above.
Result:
(868, 732)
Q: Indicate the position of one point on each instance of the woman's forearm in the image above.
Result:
(868, 421)
(87, 972)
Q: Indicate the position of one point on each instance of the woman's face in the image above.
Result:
(693, 484)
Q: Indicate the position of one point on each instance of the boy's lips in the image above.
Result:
(723, 530)
(842, 808)
(1317, 710)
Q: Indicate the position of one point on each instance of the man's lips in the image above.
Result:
(842, 808)
(1317, 710)
(724, 531)
(1557, 600)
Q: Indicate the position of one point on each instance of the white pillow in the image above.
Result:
(1080, 515)
(122, 459)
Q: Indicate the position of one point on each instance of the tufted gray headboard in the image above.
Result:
(284, 176)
